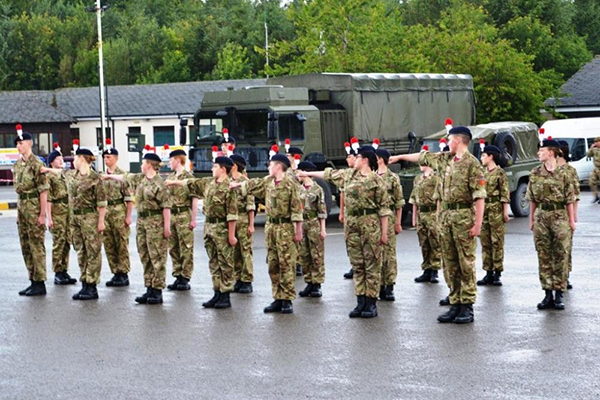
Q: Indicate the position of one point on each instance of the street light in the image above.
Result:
(99, 9)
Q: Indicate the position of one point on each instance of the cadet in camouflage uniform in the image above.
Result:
(495, 217)
(294, 154)
(552, 193)
(563, 161)
(282, 231)
(118, 219)
(594, 152)
(32, 188)
(463, 202)
(153, 225)
(367, 203)
(312, 247)
(425, 197)
(184, 210)
(389, 267)
(243, 263)
(58, 221)
(87, 201)
(220, 208)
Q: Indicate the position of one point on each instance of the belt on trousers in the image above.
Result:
(457, 206)
(552, 206)
(82, 211)
(149, 213)
(310, 214)
(493, 199)
(64, 200)
(279, 220)
(115, 202)
(362, 211)
(215, 220)
(28, 196)
(178, 210)
(427, 208)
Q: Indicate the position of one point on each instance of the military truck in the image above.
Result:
(320, 112)
(519, 143)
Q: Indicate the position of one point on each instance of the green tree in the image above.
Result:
(232, 63)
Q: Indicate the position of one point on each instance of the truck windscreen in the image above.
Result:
(251, 125)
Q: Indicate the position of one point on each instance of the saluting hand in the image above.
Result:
(173, 182)
(234, 185)
(44, 170)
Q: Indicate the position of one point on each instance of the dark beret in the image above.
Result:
(307, 166)
(491, 149)
(282, 159)
(549, 143)
(224, 161)
(83, 152)
(52, 156)
(237, 159)
(178, 152)
(383, 153)
(231, 140)
(111, 152)
(460, 130)
(366, 148)
(24, 136)
(152, 157)
(295, 150)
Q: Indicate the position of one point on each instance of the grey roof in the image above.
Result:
(68, 104)
(582, 89)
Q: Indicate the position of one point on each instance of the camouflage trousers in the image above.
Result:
(595, 180)
(366, 253)
(88, 245)
(181, 244)
(116, 239)
(32, 236)
(220, 256)
(493, 230)
(282, 255)
(428, 232)
(153, 247)
(243, 259)
(458, 254)
(552, 235)
(61, 237)
(389, 265)
(311, 253)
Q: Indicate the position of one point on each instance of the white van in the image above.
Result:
(580, 134)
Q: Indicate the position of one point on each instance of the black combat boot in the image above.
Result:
(24, 291)
(224, 301)
(548, 301)
(143, 299)
(119, 280)
(487, 279)
(451, 315)
(425, 277)
(370, 310)
(211, 303)
(63, 278)
(316, 290)
(37, 289)
(286, 307)
(496, 279)
(184, 284)
(389, 293)
(91, 293)
(109, 283)
(466, 315)
(558, 301)
(298, 270)
(434, 276)
(569, 285)
(237, 286)
(273, 307)
(84, 288)
(349, 274)
(246, 288)
(155, 296)
(360, 306)
(306, 291)
(445, 301)
(382, 292)
(175, 284)
(70, 280)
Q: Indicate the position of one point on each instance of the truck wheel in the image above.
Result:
(518, 204)
(327, 191)
(507, 143)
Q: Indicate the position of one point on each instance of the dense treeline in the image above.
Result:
(518, 51)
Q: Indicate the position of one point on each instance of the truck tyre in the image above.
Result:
(507, 143)
(518, 204)
(327, 192)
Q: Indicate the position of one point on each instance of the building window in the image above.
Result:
(164, 135)
(99, 136)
